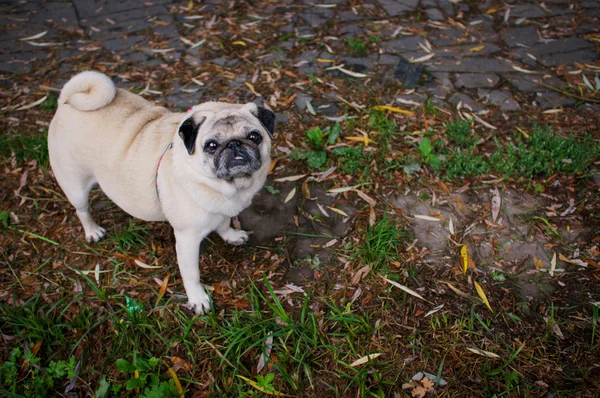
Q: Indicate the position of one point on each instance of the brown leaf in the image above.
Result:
(360, 274)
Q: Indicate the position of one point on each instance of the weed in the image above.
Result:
(272, 190)
(357, 46)
(461, 133)
(316, 156)
(132, 237)
(465, 163)
(26, 147)
(40, 378)
(350, 159)
(429, 107)
(146, 375)
(427, 154)
(382, 243)
(50, 104)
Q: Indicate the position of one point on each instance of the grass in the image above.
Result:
(357, 46)
(131, 237)
(381, 244)
(26, 147)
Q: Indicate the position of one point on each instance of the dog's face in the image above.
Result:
(228, 141)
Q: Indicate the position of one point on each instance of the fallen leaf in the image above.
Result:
(175, 379)
(366, 197)
(342, 189)
(261, 389)
(33, 104)
(393, 109)
(364, 140)
(163, 289)
(553, 265)
(346, 71)
(537, 263)
(481, 294)
(290, 195)
(427, 218)
(464, 258)
(144, 265)
(404, 288)
(434, 310)
(290, 178)
(262, 361)
(338, 211)
(360, 274)
(496, 202)
(483, 353)
(476, 49)
(239, 43)
(422, 59)
(365, 359)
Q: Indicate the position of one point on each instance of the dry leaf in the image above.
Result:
(427, 218)
(290, 178)
(496, 202)
(338, 211)
(144, 265)
(360, 274)
(366, 197)
(404, 288)
(393, 109)
(483, 353)
(261, 389)
(365, 359)
(342, 189)
(364, 140)
(290, 195)
(163, 288)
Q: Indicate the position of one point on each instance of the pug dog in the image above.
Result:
(195, 170)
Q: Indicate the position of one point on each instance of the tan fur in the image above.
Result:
(115, 138)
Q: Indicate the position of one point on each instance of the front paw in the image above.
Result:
(199, 302)
(94, 233)
(235, 236)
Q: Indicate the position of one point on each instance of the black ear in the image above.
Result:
(267, 119)
(189, 132)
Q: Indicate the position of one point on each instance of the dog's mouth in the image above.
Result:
(237, 163)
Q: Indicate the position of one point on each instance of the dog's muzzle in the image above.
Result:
(237, 160)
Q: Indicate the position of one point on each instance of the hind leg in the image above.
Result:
(77, 187)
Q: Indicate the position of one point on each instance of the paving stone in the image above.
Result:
(352, 30)
(89, 8)
(301, 100)
(120, 44)
(553, 47)
(503, 99)
(348, 16)
(470, 65)
(434, 14)
(517, 37)
(396, 8)
(551, 99)
(387, 59)
(586, 55)
(469, 50)
(476, 80)
(467, 102)
(533, 11)
(403, 44)
(134, 57)
(408, 73)
(448, 7)
(317, 16)
(360, 65)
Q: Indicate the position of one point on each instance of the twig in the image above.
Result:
(566, 94)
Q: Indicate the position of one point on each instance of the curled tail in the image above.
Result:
(88, 91)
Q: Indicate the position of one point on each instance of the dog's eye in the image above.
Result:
(211, 146)
(254, 136)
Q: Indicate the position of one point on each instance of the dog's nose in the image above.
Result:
(234, 144)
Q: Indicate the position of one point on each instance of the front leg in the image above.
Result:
(188, 250)
(233, 236)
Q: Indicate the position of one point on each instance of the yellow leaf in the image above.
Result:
(239, 43)
(476, 49)
(538, 263)
(259, 388)
(481, 294)
(338, 211)
(191, 4)
(325, 61)
(175, 379)
(483, 353)
(393, 109)
(251, 87)
(492, 11)
(364, 140)
(464, 258)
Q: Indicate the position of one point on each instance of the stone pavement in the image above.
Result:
(479, 54)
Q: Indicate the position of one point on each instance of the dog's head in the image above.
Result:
(228, 141)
